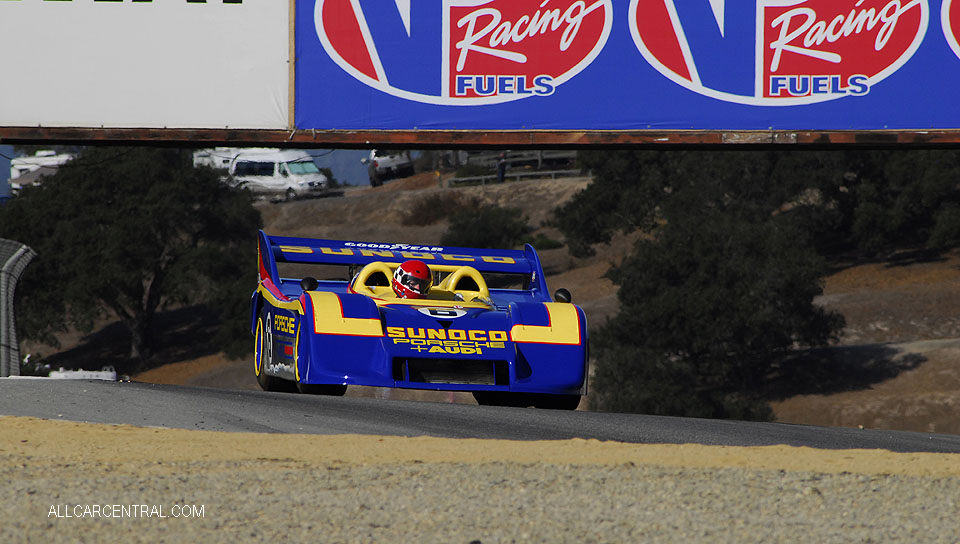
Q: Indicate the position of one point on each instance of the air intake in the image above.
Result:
(452, 371)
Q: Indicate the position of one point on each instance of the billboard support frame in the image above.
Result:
(292, 65)
(472, 138)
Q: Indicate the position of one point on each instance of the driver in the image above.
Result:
(412, 279)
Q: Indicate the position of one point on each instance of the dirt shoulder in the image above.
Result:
(54, 442)
(77, 482)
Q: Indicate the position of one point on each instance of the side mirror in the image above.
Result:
(309, 284)
(562, 295)
(364, 160)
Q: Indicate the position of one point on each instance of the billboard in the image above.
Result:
(628, 65)
(160, 64)
(321, 73)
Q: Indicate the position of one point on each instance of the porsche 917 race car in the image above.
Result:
(487, 325)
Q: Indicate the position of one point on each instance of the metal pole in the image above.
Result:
(4, 356)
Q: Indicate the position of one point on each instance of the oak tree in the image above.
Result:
(126, 232)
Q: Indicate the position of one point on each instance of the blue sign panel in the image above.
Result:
(818, 65)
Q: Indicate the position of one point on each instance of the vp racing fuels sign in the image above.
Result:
(627, 64)
(463, 51)
(778, 52)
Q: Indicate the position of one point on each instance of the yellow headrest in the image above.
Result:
(446, 289)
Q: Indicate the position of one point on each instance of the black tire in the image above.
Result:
(267, 383)
(291, 195)
(500, 398)
(523, 400)
(557, 402)
(322, 389)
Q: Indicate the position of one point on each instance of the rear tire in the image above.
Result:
(267, 383)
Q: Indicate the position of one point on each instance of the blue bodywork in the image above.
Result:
(331, 333)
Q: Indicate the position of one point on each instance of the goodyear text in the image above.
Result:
(425, 253)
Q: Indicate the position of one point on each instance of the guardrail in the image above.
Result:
(14, 257)
(514, 176)
(538, 158)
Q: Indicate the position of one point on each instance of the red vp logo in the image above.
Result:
(778, 52)
(463, 52)
(950, 21)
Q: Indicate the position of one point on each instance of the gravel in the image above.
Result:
(286, 500)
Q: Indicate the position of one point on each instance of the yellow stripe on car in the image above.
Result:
(296, 352)
(563, 327)
(328, 318)
(292, 305)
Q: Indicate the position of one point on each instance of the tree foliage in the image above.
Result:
(128, 231)
(870, 202)
(332, 182)
(720, 285)
(486, 226)
(712, 302)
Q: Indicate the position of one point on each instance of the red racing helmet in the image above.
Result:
(412, 279)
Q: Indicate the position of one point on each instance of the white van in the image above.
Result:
(287, 174)
(29, 170)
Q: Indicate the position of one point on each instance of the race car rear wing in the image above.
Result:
(282, 249)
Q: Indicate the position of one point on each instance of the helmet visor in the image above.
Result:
(415, 284)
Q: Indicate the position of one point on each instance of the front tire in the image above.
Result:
(557, 402)
(322, 389)
(522, 400)
(501, 398)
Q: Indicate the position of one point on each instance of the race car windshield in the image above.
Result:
(413, 283)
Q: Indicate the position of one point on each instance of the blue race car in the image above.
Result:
(487, 324)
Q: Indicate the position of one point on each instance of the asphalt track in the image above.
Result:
(150, 405)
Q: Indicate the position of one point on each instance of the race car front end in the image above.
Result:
(524, 347)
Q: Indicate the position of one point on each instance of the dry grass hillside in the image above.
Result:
(898, 365)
